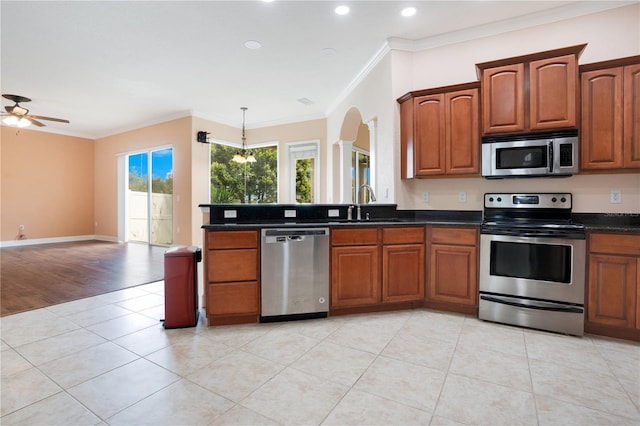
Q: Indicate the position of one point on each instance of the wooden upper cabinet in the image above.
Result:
(440, 133)
(610, 127)
(462, 131)
(553, 92)
(429, 150)
(632, 116)
(503, 99)
(530, 93)
(602, 119)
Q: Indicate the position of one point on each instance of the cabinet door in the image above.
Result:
(553, 91)
(429, 141)
(453, 274)
(355, 276)
(613, 290)
(602, 119)
(632, 116)
(462, 134)
(503, 99)
(403, 272)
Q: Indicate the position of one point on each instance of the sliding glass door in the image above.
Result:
(150, 197)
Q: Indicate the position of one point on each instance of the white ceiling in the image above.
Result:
(114, 66)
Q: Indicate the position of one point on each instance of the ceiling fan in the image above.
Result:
(19, 116)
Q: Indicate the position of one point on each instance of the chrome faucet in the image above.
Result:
(363, 186)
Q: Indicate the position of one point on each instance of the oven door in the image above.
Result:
(550, 269)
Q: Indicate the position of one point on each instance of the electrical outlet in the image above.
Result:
(462, 197)
(333, 213)
(425, 197)
(21, 227)
(615, 196)
(230, 214)
(289, 213)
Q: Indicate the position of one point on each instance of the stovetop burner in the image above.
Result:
(527, 214)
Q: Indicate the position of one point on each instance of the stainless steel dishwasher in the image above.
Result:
(294, 273)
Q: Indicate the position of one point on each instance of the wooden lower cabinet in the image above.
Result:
(613, 285)
(453, 269)
(232, 265)
(355, 276)
(403, 264)
(374, 268)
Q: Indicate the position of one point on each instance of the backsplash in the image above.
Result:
(293, 213)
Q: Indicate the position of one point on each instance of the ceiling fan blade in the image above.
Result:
(40, 117)
(35, 122)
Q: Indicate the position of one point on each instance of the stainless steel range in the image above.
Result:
(532, 262)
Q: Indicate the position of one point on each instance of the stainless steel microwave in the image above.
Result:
(530, 155)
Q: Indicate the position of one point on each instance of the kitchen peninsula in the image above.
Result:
(395, 259)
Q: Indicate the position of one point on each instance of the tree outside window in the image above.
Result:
(246, 183)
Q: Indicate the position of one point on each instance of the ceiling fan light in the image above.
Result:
(10, 120)
(23, 122)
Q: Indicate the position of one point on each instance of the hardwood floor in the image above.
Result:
(42, 275)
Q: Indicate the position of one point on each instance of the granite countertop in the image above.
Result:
(341, 223)
(609, 222)
(275, 216)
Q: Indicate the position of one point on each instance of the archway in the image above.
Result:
(356, 149)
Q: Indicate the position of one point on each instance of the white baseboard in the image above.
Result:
(33, 241)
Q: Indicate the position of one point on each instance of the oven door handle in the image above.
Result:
(542, 306)
(550, 159)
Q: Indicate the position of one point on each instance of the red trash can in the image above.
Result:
(181, 286)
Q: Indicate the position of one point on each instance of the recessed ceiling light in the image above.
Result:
(328, 51)
(342, 10)
(408, 11)
(252, 44)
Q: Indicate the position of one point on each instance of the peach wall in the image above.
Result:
(201, 169)
(175, 133)
(46, 184)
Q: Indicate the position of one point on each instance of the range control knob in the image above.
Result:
(554, 199)
(563, 199)
(491, 199)
(499, 199)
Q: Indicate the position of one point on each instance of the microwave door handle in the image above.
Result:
(550, 158)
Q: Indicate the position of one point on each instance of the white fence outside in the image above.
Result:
(161, 217)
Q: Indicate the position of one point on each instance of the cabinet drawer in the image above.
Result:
(354, 236)
(459, 236)
(615, 244)
(403, 235)
(232, 298)
(232, 239)
(232, 265)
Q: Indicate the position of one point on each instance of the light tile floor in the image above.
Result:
(108, 360)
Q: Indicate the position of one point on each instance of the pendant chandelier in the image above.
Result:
(243, 156)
